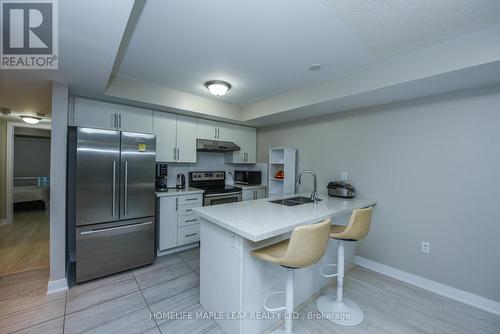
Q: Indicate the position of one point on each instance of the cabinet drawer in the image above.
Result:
(192, 200)
(188, 220)
(184, 210)
(188, 234)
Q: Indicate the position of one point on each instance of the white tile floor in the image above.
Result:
(122, 304)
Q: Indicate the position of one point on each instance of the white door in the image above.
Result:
(95, 114)
(224, 131)
(134, 119)
(186, 139)
(167, 226)
(249, 145)
(165, 129)
(205, 129)
(236, 136)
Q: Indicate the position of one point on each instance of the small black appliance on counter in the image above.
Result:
(247, 177)
(161, 177)
(341, 189)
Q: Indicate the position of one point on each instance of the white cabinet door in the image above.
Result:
(165, 129)
(186, 139)
(167, 225)
(206, 129)
(253, 194)
(236, 136)
(249, 145)
(225, 131)
(95, 114)
(134, 119)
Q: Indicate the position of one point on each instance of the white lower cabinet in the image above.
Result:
(253, 194)
(177, 225)
(167, 222)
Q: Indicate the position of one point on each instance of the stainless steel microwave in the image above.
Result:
(247, 177)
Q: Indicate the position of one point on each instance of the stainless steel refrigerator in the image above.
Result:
(114, 201)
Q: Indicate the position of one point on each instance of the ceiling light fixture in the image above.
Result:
(31, 119)
(217, 87)
(315, 67)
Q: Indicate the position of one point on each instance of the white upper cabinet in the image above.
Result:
(134, 119)
(175, 138)
(95, 114)
(186, 139)
(165, 129)
(105, 115)
(225, 132)
(206, 129)
(246, 138)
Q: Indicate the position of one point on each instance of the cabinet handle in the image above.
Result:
(191, 199)
(176, 203)
(188, 210)
(114, 121)
(174, 153)
(178, 153)
(190, 235)
(120, 121)
(255, 194)
(215, 133)
(191, 220)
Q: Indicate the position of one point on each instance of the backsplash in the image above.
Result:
(211, 161)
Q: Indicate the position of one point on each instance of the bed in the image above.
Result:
(31, 197)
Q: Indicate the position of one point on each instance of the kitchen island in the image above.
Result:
(234, 283)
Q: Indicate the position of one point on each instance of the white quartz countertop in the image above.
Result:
(259, 219)
(179, 192)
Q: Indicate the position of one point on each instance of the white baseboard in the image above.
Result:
(177, 249)
(3, 221)
(462, 296)
(57, 286)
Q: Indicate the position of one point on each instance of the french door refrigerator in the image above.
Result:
(114, 201)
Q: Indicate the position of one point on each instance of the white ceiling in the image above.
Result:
(158, 54)
(264, 48)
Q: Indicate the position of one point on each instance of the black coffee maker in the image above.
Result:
(161, 177)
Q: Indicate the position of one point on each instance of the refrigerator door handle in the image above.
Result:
(125, 194)
(101, 230)
(113, 205)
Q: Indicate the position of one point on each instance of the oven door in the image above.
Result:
(216, 199)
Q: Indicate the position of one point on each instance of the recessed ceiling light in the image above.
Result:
(31, 119)
(217, 87)
(314, 67)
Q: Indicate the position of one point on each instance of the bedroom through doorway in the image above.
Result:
(24, 234)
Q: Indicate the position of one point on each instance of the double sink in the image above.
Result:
(293, 201)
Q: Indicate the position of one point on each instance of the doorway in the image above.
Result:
(24, 236)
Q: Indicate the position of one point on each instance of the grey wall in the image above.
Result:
(3, 166)
(58, 181)
(31, 156)
(433, 165)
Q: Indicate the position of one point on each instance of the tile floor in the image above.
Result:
(122, 304)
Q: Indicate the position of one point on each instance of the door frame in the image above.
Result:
(9, 162)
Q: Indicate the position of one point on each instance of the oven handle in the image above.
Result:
(224, 195)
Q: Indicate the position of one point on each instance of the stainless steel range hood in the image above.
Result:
(207, 145)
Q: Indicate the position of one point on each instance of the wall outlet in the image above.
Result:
(344, 176)
(426, 247)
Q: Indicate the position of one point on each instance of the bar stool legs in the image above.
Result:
(289, 302)
(338, 309)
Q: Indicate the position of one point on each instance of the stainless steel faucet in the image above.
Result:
(314, 193)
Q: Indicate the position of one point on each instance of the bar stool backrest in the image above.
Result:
(359, 224)
(307, 245)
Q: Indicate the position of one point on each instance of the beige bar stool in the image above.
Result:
(305, 247)
(340, 310)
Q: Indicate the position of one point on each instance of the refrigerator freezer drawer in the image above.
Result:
(106, 249)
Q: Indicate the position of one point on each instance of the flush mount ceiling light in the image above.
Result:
(217, 87)
(31, 119)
